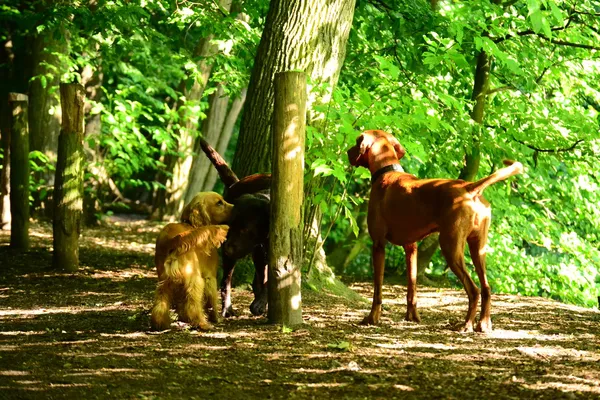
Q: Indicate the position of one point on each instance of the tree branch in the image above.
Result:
(548, 150)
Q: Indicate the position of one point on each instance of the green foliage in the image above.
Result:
(410, 71)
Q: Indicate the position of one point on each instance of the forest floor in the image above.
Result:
(86, 336)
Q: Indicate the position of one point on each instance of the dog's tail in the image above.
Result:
(513, 168)
(205, 238)
(225, 172)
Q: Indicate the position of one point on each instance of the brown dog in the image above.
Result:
(404, 210)
(186, 260)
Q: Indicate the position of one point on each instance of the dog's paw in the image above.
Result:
(467, 327)
(205, 326)
(412, 315)
(484, 326)
(258, 307)
(228, 313)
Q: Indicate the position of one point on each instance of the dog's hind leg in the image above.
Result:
(194, 302)
(160, 319)
(453, 247)
(228, 266)
(477, 243)
(211, 299)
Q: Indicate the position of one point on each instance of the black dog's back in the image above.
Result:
(249, 225)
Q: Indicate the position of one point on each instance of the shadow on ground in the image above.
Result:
(85, 335)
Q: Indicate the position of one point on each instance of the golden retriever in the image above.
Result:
(186, 261)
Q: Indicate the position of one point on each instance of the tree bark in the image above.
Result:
(180, 165)
(211, 130)
(430, 244)
(68, 189)
(5, 118)
(44, 110)
(287, 189)
(298, 35)
(225, 137)
(19, 172)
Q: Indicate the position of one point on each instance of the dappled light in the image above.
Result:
(63, 333)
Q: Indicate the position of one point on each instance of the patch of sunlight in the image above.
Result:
(207, 347)
(547, 352)
(105, 371)
(415, 344)
(62, 310)
(28, 382)
(524, 335)
(29, 388)
(403, 387)
(229, 335)
(14, 373)
(339, 369)
(125, 335)
(320, 385)
(23, 333)
(95, 294)
(565, 387)
(296, 301)
(103, 354)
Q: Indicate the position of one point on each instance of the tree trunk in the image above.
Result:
(298, 35)
(19, 172)
(5, 118)
(429, 245)
(287, 189)
(176, 184)
(44, 109)
(225, 137)
(92, 81)
(211, 130)
(68, 190)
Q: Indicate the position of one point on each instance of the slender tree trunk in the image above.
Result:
(287, 188)
(19, 172)
(211, 130)
(298, 35)
(5, 118)
(430, 244)
(92, 81)
(225, 137)
(44, 109)
(180, 165)
(68, 191)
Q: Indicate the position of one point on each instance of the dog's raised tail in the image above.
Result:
(225, 172)
(512, 168)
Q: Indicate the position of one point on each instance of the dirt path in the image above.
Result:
(85, 336)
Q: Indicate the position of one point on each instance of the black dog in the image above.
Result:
(248, 233)
(248, 230)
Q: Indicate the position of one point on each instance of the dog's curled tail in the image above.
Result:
(205, 238)
(513, 168)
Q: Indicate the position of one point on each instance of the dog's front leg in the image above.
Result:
(378, 257)
(228, 266)
(411, 276)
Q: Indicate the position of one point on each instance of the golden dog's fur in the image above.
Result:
(186, 261)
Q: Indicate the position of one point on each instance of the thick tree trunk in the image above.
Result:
(225, 137)
(298, 35)
(287, 189)
(19, 172)
(68, 190)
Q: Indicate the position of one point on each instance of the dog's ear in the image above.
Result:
(195, 213)
(400, 152)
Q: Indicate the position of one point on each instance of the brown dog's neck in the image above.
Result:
(381, 171)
